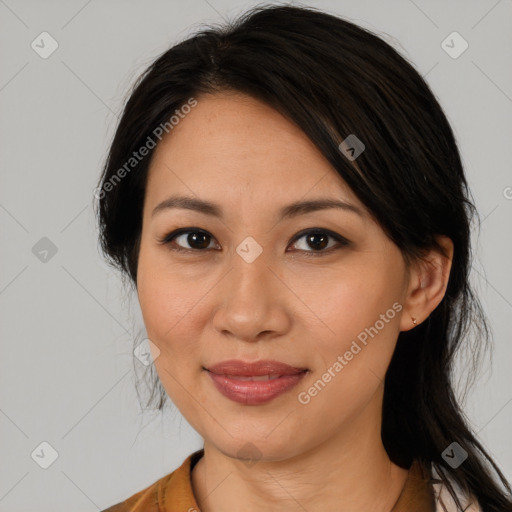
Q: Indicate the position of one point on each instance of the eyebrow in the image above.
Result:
(292, 210)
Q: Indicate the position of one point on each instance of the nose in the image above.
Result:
(252, 302)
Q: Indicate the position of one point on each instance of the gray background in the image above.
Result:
(67, 326)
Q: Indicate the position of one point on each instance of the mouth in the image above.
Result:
(254, 383)
(253, 378)
(262, 368)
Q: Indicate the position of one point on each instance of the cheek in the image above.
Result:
(173, 309)
(167, 307)
(346, 301)
(164, 296)
(350, 366)
(362, 312)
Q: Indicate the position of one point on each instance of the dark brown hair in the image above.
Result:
(333, 78)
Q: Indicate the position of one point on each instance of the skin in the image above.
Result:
(205, 307)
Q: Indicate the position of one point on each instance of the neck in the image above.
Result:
(352, 468)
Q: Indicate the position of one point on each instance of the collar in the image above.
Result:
(177, 493)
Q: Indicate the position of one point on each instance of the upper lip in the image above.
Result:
(254, 369)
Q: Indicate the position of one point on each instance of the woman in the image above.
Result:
(287, 197)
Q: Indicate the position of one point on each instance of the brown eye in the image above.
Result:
(188, 240)
(196, 239)
(318, 240)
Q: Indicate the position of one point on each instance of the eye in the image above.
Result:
(318, 239)
(199, 240)
(196, 238)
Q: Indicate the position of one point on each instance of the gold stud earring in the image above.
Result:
(414, 320)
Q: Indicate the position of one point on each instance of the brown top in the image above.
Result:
(173, 492)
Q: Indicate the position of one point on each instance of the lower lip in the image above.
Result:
(254, 392)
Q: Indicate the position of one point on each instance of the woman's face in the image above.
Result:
(255, 286)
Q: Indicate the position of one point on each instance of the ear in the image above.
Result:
(427, 284)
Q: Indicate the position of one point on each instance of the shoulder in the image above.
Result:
(171, 492)
(445, 502)
(147, 500)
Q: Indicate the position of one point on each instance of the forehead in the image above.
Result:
(231, 143)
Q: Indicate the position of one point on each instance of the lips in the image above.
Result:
(254, 383)
(264, 368)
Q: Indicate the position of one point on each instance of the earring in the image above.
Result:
(413, 320)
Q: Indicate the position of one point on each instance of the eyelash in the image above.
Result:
(343, 242)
